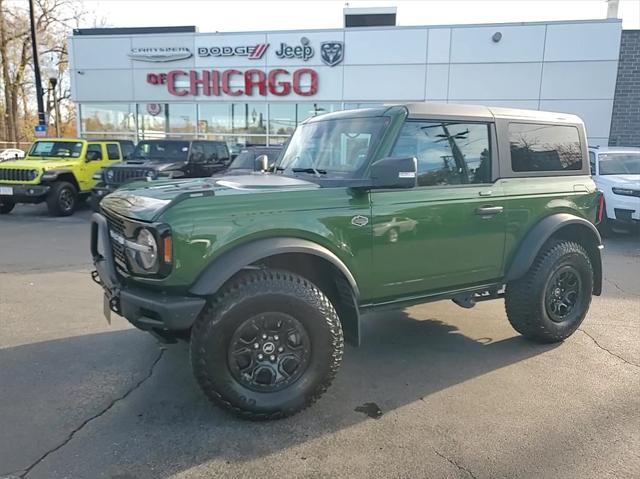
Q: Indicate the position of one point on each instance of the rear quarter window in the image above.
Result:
(542, 147)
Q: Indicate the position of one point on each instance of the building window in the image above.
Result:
(282, 118)
(249, 118)
(101, 118)
(448, 153)
(307, 110)
(536, 147)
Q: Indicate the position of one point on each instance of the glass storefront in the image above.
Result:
(235, 123)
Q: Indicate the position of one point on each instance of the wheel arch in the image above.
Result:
(559, 225)
(63, 175)
(307, 258)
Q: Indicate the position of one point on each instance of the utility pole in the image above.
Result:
(36, 67)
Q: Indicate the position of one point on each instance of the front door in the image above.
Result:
(448, 232)
(95, 159)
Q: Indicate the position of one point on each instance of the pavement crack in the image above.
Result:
(617, 286)
(454, 463)
(608, 350)
(71, 435)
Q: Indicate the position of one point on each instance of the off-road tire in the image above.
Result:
(62, 199)
(525, 299)
(6, 206)
(250, 294)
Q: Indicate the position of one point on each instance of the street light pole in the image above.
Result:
(53, 82)
(36, 66)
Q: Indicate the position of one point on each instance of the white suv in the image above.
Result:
(616, 171)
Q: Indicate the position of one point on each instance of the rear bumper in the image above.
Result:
(145, 309)
(25, 193)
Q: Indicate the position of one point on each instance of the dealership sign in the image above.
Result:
(159, 54)
(232, 82)
(331, 53)
(254, 52)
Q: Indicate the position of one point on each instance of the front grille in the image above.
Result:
(117, 225)
(14, 174)
(117, 176)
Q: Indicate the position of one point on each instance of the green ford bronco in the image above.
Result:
(364, 210)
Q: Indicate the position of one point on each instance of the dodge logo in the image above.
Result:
(332, 53)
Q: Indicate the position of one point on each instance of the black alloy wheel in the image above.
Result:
(269, 352)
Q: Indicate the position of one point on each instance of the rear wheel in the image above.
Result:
(550, 302)
(267, 346)
(6, 206)
(62, 199)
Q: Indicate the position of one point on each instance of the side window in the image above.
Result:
(94, 151)
(113, 152)
(127, 149)
(592, 162)
(537, 147)
(223, 152)
(211, 152)
(448, 153)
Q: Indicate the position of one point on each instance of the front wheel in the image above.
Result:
(62, 199)
(550, 302)
(6, 206)
(267, 346)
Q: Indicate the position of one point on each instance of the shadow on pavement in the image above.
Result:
(169, 424)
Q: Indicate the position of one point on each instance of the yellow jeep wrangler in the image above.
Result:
(58, 171)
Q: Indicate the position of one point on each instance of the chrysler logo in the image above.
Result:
(332, 53)
(159, 54)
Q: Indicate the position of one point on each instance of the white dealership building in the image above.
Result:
(256, 86)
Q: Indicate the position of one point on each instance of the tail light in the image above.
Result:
(600, 211)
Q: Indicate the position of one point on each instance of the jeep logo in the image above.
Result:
(304, 51)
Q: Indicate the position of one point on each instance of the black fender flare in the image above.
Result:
(226, 265)
(538, 236)
(51, 176)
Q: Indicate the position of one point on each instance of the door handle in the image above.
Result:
(489, 210)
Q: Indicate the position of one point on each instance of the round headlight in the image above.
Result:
(110, 174)
(151, 174)
(33, 174)
(148, 259)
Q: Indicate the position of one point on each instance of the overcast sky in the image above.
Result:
(238, 15)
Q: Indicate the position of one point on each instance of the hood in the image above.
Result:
(631, 181)
(46, 164)
(151, 165)
(146, 200)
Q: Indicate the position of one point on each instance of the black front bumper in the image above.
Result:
(26, 193)
(145, 309)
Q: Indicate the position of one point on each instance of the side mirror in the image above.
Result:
(262, 163)
(394, 173)
(93, 155)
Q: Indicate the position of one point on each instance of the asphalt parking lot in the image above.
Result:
(459, 392)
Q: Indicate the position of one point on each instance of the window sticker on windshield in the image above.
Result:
(44, 147)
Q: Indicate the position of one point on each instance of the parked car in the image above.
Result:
(616, 171)
(367, 210)
(153, 159)
(246, 159)
(56, 170)
(11, 154)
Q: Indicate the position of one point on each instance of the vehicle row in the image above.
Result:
(64, 172)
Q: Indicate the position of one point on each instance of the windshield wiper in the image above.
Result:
(309, 170)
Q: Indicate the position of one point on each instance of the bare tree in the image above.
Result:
(54, 21)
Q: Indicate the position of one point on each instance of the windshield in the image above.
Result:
(162, 151)
(56, 149)
(619, 163)
(340, 146)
